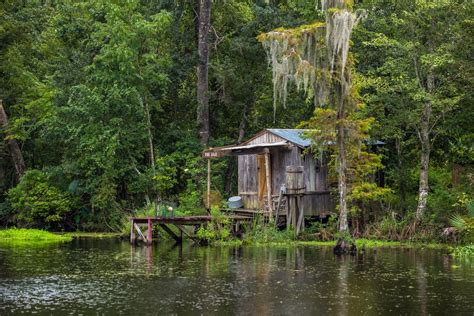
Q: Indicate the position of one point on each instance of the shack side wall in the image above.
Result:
(316, 179)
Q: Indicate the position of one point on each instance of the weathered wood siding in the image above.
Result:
(266, 137)
(247, 181)
(315, 176)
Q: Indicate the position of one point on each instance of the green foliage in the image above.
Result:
(89, 85)
(217, 230)
(39, 203)
(396, 48)
(165, 174)
(31, 235)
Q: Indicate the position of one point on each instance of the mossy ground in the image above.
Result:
(30, 236)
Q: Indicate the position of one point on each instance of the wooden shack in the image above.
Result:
(262, 167)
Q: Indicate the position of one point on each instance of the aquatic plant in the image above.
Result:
(463, 251)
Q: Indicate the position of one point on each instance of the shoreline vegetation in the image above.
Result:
(26, 236)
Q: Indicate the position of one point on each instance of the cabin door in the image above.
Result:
(262, 179)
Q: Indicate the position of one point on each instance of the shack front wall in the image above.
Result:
(315, 179)
(315, 175)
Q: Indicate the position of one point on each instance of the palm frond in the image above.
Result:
(470, 208)
(457, 221)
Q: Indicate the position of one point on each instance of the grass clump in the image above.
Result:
(31, 235)
(269, 234)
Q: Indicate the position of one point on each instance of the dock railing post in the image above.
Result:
(208, 185)
(150, 231)
(132, 231)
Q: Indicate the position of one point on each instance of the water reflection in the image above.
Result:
(110, 276)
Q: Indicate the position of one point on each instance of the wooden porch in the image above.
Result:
(138, 230)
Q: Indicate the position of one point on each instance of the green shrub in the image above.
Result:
(190, 200)
(38, 203)
(218, 230)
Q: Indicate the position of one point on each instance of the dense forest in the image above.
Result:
(107, 106)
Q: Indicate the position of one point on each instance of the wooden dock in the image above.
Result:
(146, 233)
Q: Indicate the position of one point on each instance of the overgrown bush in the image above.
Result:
(388, 228)
(218, 229)
(38, 203)
(321, 231)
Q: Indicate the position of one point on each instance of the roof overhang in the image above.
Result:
(238, 150)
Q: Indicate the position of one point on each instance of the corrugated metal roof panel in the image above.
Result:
(295, 136)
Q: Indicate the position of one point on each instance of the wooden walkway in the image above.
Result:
(179, 222)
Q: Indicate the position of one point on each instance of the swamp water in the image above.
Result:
(108, 276)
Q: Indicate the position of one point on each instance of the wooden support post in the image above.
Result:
(183, 231)
(139, 231)
(171, 233)
(277, 211)
(150, 231)
(288, 212)
(209, 186)
(269, 182)
(300, 223)
(132, 231)
(294, 213)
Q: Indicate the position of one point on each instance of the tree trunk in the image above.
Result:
(150, 135)
(202, 71)
(229, 174)
(424, 136)
(15, 152)
(342, 176)
(343, 245)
